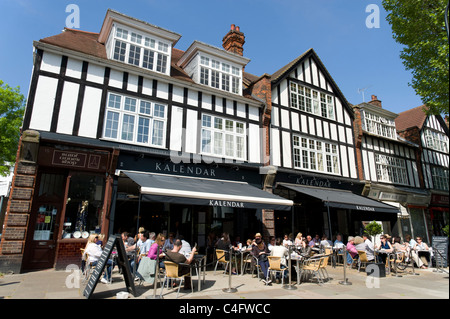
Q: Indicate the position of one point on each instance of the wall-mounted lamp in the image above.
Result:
(29, 147)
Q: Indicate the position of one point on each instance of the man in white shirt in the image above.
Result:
(368, 247)
(278, 250)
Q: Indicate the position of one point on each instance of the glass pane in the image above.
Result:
(158, 133)
(84, 203)
(128, 127)
(143, 129)
(45, 220)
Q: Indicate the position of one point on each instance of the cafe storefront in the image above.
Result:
(412, 204)
(190, 199)
(328, 206)
(437, 213)
(71, 201)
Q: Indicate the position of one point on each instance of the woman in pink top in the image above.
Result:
(160, 239)
(351, 249)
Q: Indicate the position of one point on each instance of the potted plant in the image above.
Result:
(373, 229)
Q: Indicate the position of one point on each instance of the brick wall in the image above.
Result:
(68, 252)
(17, 217)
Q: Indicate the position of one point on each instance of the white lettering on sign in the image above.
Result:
(223, 203)
(372, 209)
(186, 170)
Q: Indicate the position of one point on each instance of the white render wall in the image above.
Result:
(94, 88)
(287, 121)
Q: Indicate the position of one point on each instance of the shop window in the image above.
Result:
(418, 222)
(84, 206)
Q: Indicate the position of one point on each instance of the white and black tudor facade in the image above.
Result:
(122, 130)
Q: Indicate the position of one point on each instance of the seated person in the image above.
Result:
(278, 250)
(405, 248)
(94, 252)
(261, 251)
(305, 250)
(338, 242)
(422, 250)
(325, 242)
(286, 241)
(352, 252)
(175, 256)
(368, 247)
(386, 246)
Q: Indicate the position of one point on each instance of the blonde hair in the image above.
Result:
(299, 235)
(91, 239)
(159, 239)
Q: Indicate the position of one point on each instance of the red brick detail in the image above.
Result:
(11, 233)
(68, 252)
(17, 220)
(12, 247)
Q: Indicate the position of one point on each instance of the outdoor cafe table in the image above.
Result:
(388, 257)
(243, 252)
(199, 264)
(299, 259)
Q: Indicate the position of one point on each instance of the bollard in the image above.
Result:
(289, 286)
(155, 284)
(345, 281)
(230, 289)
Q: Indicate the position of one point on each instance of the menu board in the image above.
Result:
(122, 261)
(440, 250)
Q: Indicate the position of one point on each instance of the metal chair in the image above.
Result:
(172, 273)
(221, 259)
(275, 267)
(312, 265)
(363, 259)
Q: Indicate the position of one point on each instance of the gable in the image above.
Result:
(309, 68)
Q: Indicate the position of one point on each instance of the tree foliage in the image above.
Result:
(373, 229)
(12, 107)
(420, 26)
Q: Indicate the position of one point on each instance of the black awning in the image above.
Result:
(343, 199)
(207, 192)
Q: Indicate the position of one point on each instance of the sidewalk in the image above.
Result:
(51, 284)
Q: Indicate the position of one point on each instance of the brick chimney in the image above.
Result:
(234, 40)
(375, 101)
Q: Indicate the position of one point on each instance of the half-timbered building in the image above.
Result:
(312, 144)
(390, 168)
(122, 131)
(431, 133)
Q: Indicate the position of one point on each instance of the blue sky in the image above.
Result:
(276, 31)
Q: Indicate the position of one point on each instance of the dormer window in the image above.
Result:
(220, 75)
(140, 50)
(214, 67)
(379, 125)
(137, 42)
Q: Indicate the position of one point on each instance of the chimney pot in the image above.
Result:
(375, 101)
(234, 41)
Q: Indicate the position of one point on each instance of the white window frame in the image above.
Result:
(391, 169)
(143, 44)
(379, 125)
(214, 126)
(440, 178)
(436, 140)
(123, 112)
(315, 155)
(308, 100)
(218, 74)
